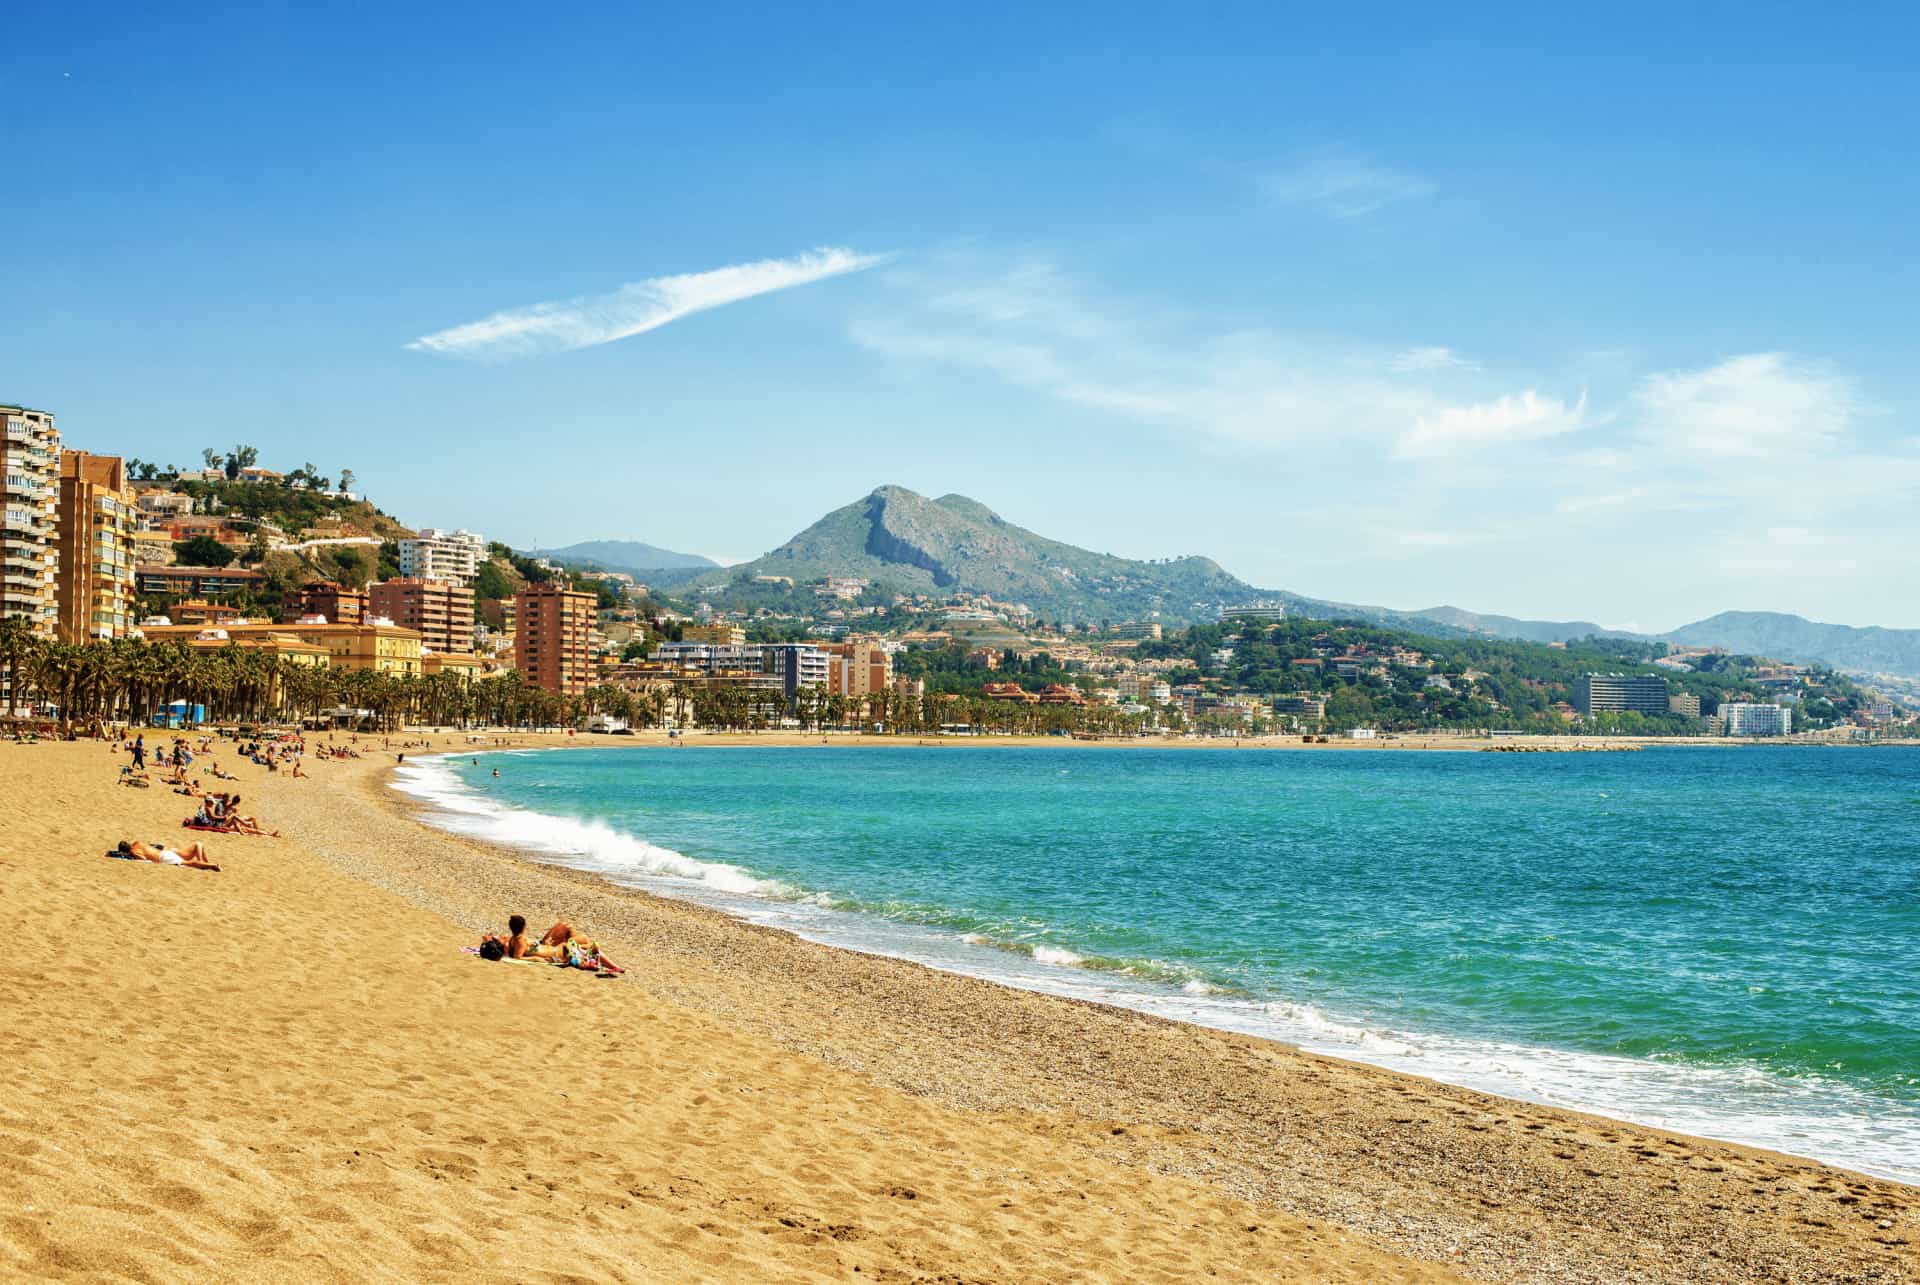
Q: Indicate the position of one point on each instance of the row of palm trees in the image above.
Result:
(131, 680)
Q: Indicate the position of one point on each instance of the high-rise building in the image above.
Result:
(552, 637)
(95, 520)
(1618, 693)
(29, 500)
(1742, 719)
(442, 612)
(339, 604)
(1685, 704)
(450, 556)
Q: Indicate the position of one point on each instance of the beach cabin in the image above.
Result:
(180, 714)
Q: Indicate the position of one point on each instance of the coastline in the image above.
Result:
(1117, 1118)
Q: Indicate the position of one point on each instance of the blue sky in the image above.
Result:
(1572, 314)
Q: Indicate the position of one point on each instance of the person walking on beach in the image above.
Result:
(140, 753)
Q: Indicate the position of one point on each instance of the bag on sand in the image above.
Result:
(493, 948)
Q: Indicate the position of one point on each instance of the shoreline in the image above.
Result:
(1202, 1054)
(1583, 1077)
(1396, 741)
(748, 1103)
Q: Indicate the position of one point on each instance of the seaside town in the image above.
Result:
(927, 645)
(257, 593)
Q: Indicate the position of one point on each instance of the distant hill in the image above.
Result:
(1544, 631)
(629, 556)
(899, 538)
(1772, 633)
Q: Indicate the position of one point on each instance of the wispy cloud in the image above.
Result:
(635, 308)
(1343, 182)
(1417, 360)
(1518, 417)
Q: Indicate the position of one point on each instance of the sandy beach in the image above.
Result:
(289, 1070)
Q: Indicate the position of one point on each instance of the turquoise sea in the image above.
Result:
(1721, 941)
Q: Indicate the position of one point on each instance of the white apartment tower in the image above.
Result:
(448, 557)
(29, 496)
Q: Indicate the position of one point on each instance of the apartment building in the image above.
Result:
(1742, 719)
(94, 526)
(440, 611)
(858, 667)
(723, 635)
(797, 665)
(1685, 704)
(789, 665)
(452, 557)
(29, 502)
(1617, 693)
(195, 582)
(553, 637)
(339, 604)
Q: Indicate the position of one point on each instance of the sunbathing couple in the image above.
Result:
(194, 856)
(221, 812)
(561, 945)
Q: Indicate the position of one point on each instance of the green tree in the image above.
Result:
(202, 551)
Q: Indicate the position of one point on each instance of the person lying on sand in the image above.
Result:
(194, 856)
(563, 945)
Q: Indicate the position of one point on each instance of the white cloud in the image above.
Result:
(1417, 360)
(1759, 404)
(1518, 417)
(634, 308)
(1342, 182)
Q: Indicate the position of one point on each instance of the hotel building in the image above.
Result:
(452, 557)
(553, 637)
(442, 612)
(29, 500)
(1617, 693)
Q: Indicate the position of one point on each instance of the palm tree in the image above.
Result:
(17, 647)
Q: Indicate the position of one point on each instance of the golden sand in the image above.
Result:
(290, 1071)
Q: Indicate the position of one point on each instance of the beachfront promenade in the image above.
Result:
(290, 1070)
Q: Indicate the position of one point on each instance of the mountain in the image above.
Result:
(898, 538)
(629, 556)
(1771, 633)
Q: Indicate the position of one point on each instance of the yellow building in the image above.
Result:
(386, 649)
(93, 586)
(466, 666)
(717, 634)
